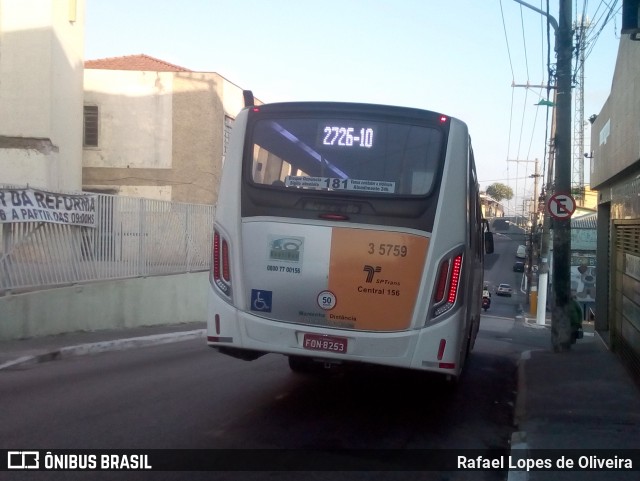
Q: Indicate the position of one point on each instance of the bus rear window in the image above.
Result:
(338, 154)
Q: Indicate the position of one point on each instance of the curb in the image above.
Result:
(519, 446)
(519, 450)
(104, 346)
(533, 323)
(519, 408)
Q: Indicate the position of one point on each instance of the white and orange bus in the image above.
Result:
(348, 233)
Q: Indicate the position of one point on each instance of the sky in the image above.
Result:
(461, 58)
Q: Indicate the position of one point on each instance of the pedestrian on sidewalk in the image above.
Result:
(575, 315)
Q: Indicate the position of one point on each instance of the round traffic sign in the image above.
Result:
(561, 206)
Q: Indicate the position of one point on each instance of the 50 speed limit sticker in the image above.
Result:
(327, 300)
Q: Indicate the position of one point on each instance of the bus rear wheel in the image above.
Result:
(302, 365)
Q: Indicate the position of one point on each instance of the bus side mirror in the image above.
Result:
(488, 242)
(248, 98)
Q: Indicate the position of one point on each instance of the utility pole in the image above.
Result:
(517, 161)
(560, 318)
(532, 254)
(543, 269)
(536, 175)
(532, 218)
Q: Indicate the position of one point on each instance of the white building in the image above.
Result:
(41, 96)
(154, 129)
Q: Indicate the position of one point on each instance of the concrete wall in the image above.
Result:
(615, 174)
(615, 133)
(105, 305)
(198, 122)
(135, 111)
(41, 67)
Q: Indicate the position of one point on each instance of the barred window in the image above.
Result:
(90, 138)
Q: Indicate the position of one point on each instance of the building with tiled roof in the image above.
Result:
(154, 129)
(490, 207)
(139, 62)
(587, 221)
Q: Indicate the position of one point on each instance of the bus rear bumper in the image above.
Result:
(247, 336)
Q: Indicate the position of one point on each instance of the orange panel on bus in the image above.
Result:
(375, 277)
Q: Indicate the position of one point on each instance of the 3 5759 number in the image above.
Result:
(387, 250)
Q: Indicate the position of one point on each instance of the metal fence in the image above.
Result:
(133, 238)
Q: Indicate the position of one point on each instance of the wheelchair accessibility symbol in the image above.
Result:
(261, 300)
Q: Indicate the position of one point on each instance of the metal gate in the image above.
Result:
(133, 237)
(625, 306)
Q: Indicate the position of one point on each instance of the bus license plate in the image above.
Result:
(318, 342)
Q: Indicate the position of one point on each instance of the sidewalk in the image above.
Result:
(31, 351)
(577, 400)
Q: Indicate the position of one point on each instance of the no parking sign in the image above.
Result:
(561, 206)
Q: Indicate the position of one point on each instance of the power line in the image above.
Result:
(524, 44)
(525, 114)
(609, 14)
(500, 180)
(504, 27)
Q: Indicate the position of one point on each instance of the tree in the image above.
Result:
(500, 191)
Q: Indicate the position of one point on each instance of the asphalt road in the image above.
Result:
(499, 269)
(186, 395)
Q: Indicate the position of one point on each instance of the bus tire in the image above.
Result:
(302, 365)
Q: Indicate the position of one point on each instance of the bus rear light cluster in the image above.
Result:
(455, 279)
(220, 265)
(441, 282)
(447, 284)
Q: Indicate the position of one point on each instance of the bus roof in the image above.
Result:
(329, 106)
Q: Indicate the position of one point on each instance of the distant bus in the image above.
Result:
(348, 233)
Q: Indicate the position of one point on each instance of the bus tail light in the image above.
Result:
(220, 275)
(441, 283)
(447, 284)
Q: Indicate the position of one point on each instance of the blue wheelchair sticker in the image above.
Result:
(261, 300)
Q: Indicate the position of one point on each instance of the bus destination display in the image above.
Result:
(334, 183)
(347, 136)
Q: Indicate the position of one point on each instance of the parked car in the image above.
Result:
(504, 290)
(518, 266)
(521, 253)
